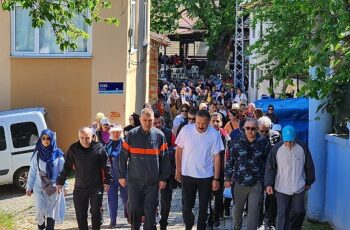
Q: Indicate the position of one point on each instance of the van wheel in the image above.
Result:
(21, 178)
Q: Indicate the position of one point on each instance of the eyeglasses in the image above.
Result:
(253, 129)
(264, 131)
(191, 119)
(46, 139)
(271, 109)
(184, 111)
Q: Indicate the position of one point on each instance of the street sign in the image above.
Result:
(110, 87)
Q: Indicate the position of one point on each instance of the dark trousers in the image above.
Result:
(165, 204)
(190, 186)
(142, 202)
(81, 199)
(271, 209)
(290, 211)
(218, 210)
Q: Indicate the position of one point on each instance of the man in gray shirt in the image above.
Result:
(289, 173)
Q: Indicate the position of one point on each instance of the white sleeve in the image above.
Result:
(32, 172)
(180, 138)
(218, 146)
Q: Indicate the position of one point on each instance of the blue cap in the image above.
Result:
(288, 133)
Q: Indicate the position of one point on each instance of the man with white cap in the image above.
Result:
(289, 173)
(113, 148)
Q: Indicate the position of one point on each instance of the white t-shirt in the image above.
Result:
(198, 150)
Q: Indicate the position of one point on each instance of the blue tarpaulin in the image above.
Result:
(291, 111)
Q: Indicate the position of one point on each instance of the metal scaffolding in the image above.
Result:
(238, 69)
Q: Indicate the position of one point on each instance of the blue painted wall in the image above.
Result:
(337, 206)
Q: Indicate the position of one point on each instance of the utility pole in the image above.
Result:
(238, 70)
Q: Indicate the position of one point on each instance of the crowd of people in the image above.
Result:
(206, 139)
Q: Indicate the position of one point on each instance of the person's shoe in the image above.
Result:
(41, 227)
(50, 224)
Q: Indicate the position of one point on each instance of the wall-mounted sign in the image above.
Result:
(110, 87)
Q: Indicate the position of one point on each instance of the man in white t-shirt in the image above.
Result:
(198, 166)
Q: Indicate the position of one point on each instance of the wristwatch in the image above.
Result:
(217, 179)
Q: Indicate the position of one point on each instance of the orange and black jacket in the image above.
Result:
(144, 158)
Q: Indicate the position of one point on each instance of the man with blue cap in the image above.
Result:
(289, 174)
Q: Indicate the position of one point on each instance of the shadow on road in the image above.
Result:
(10, 191)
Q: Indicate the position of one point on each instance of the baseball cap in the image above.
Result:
(288, 133)
(104, 121)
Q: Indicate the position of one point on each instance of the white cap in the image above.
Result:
(116, 128)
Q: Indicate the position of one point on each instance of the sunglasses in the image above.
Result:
(185, 111)
(271, 109)
(46, 139)
(264, 131)
(250, 128)
(191, 119)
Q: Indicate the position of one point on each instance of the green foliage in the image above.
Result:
(6, 221)
(216, 17)
(302, 34)
(60, 13)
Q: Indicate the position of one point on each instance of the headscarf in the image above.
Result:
(136, 119)
(50, 153)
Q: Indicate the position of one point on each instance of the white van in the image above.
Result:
(19, 131)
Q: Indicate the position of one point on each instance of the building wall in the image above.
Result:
(68, 87)
(109, 62)
(5, 77)
(62, 86)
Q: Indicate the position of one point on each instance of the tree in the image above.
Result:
(60, 14)
(304, 34)
(217, 17)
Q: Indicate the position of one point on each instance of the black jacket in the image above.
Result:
(144, 158)
(90, 165)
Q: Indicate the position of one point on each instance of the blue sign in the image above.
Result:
(110, 87)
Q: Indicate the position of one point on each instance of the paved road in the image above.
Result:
(13, 201)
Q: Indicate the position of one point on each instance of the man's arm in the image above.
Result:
(178, 162)
(309, 168)
(217, 164)
(67, 167)
(105, 167)
(123, 161)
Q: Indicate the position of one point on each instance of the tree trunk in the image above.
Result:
(219, 54)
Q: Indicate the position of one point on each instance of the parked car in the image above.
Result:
(19, 132)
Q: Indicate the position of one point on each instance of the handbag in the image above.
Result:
(46, 183)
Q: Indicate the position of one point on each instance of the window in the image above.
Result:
(145, 22)
(24, 134)
(132, 25)
(2, 139)
(27, 41)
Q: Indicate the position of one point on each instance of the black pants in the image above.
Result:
(290, 211)
(271, 209)
(190, 186)
(81, 199)
(142, 201)
(218, 210)
(165, 204)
